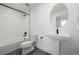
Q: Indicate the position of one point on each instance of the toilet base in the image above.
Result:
(27, 50)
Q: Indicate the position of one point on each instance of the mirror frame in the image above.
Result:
(52, 16)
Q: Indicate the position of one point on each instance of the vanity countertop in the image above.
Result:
(58, 37)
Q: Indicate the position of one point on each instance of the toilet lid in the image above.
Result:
(26, 42)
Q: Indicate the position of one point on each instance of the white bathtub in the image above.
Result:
(6, 47)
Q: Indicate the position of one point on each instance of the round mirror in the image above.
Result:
(59, 15)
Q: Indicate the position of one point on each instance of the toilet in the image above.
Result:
(28, 45)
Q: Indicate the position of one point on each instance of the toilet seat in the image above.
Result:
(26, 42)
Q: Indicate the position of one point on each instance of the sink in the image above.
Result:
(59, 36)
(62, 37)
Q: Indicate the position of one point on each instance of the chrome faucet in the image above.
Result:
(57, 31)
(24, 35)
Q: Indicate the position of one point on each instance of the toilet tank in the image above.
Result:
(32, 37)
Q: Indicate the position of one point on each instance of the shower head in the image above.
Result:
(25, 15)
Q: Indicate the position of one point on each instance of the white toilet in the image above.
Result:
(28, 45)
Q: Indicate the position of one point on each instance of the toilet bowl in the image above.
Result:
(28, 45)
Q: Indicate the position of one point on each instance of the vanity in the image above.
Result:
(61, 39)
(60, 15)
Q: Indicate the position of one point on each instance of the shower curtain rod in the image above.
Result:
(14, 9)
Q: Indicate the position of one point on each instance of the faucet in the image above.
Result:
(24, 35)
(57, 31)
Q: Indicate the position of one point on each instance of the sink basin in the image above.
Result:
(62, 37)
(59, 36)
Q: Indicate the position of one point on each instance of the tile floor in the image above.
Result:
(35, 52)
(38, 52)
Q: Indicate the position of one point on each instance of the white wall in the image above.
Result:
(12, 26)
(71, 46)
(40, 19)
(40, 24)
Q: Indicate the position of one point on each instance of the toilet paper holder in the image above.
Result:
(41, 37)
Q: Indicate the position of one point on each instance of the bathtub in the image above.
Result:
(8, 46)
